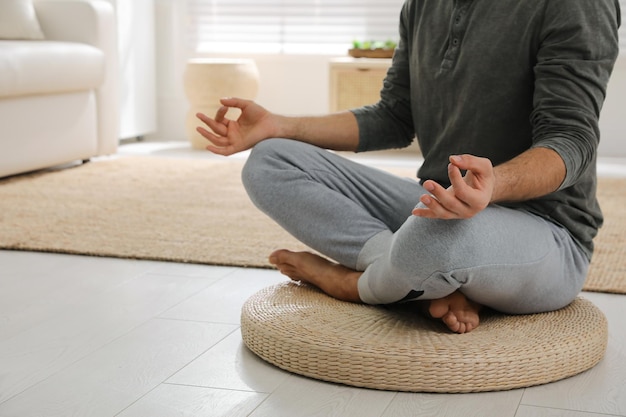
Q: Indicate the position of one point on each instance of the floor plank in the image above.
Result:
(51, 284)
(86, 326)
(221, 302)
(299, 396)
(489, 404)
(116, 376)
(185, 401)
(230, 365)
(528, 411)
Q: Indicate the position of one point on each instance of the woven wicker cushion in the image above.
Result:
(300, 329)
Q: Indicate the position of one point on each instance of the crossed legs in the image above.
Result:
(458, 312)
(360, 218)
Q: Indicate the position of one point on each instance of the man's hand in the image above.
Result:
(231, 136)
(466, 196)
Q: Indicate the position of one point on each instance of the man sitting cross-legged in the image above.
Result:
(504, 99)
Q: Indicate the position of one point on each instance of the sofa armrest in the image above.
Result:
(91, 22)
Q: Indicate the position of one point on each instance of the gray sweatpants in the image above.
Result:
(507, 259)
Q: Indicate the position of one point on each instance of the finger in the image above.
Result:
(235, 102)
(217, 140)
(424, 212)
(221, 150)
(479, 170)
(462, 190)
(432, 209)
(220, 127)
(203, 117)
(455, 175)
(221, 112)
(472, 163)
(446, 198)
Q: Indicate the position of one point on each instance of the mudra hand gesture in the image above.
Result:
(231, 136)
(467, 196)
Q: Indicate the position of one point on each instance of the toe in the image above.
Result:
(451, 321)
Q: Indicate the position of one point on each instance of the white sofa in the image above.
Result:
(58, 95)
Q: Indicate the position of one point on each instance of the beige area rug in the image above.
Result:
(196, 211)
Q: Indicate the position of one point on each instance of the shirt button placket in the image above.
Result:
(456, 33)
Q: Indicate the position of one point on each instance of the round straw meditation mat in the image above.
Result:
(298, 328)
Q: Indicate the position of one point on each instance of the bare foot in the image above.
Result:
(334, 279)
(456, 311)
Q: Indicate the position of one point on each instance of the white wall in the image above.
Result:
(298, 84)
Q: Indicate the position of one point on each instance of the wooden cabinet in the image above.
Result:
(355, 82)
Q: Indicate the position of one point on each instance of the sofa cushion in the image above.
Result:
(18, 20)
(44, 67)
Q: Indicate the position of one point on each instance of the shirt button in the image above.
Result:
(455, 41)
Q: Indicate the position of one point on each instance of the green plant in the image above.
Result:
(389, 44)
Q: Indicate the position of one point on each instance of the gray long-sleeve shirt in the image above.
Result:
(493, 78)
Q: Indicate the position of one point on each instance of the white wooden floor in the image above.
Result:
(82, 336)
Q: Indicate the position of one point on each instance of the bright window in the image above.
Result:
(290, 26)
